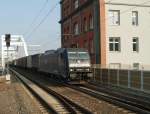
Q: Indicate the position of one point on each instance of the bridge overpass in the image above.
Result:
(17, 49)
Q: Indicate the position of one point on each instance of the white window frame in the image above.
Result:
(114, 17)
(136, 66)
(114, 42)
(76, 4)
(91, 22)
(86, 44)
(85, 25)
(92, 46)
(74, 45)
(76, 29)
(135, 18)
(136, 43)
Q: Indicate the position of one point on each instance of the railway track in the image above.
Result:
(114, 97)
(54, 102)
(121, 99)
(130, 101)
(92, 104)
(139, 95)
(131, 92)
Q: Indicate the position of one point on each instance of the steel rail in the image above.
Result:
(48, 108)
(136, 93)
(125, 103)
(70, 109)
(70, 105)
(142, 103)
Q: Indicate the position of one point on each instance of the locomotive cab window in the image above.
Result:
(72, 55)
(83, 55)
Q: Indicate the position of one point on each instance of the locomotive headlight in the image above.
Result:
(71, 69)
(88, 69)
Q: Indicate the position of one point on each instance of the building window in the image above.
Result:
(92, 47)
(135, 42)
(76, 4)
(114, 44)
(114, 17)
(74, 45)
(76, 29)
(91, 22)
(134, 18)
(86, 44)
(136, 66)
(68, 29)
(85, 25)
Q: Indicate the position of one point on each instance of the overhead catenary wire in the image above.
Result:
(50, 41)
(47, 42)
(129, 9)
(110, 1)
(36, 17)
(143, 3)
(42, 21)
(125, 11)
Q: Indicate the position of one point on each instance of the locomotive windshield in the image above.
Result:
(72, 55)
(83, 55)
(79, 59)
(78, 55)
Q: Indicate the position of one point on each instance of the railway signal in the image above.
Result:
(7, 39)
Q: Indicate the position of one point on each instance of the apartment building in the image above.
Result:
(116, 32)
(79, 26)
(127, 32)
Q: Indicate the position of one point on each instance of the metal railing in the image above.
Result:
(123, 76)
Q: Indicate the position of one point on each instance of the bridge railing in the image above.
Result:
(123, 76)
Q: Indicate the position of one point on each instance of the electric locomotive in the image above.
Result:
(67, 63)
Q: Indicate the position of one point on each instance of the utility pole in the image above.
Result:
(7, 40)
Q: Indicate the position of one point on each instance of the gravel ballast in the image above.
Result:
(14, 99)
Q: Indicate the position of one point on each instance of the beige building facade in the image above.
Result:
(127, 32)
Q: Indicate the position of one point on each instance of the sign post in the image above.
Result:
(7, 40)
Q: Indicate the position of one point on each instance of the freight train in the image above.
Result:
(68, 64)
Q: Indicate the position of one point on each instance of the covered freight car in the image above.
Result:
(21, 62)
(29, 61)
(35, 61)
(49, 62)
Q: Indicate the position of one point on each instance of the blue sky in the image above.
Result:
(16, 17)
